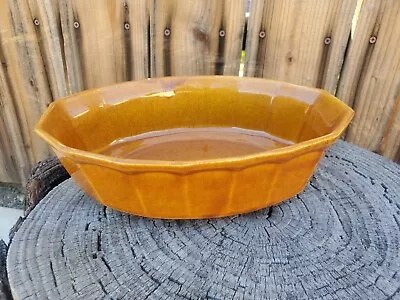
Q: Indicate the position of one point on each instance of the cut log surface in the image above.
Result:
(339, 239)
(4, 287)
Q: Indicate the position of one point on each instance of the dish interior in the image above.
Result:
(188, 144)
(191, 122)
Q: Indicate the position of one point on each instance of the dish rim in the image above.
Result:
(229, 162)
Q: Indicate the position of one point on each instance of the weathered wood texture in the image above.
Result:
(5, 293)
(107, 41)
(44, 177)
(52, 48)
(339, 239)
(26, 85)
(302, 42)
(370, 80)
(14, 161)
(197, 37)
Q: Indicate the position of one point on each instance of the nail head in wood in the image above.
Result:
(127, 26)
(372, 39)
(36, 22)
(167, 32)
(262, 34)
(76, 24)
(222, 33)
(327, 40)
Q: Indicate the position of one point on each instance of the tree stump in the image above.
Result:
(47, 174)
(4, 286)
(44, 177)
(339, 239)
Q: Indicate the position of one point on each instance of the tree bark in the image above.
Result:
(4, 285)
(44, 177)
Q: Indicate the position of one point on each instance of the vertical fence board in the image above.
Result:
(390, 143)
(137, 39)
(70, 36)
(93, 29)
(14, 163)
(8, 169)
(29, 83)
(45, 14)
(299, 41)
(197, 37)
(105, 41)
(234, 19)
(371, 77)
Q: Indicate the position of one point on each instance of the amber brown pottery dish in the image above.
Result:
(193, 147)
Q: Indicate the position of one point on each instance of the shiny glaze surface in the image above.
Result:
(193, 147)
(186, 144)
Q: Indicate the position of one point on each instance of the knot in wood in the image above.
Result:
(289, 58)
(200, 35)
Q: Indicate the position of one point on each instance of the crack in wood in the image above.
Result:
(167, 51)
(102, 287)
(150, 54)
(314, 186)
(129, 71)
(106, 264)
(268, 236)
(211, 224)
(397, 221)
(323, 63)
(104, 210)
(133, 252)
(385, 194)
(269, 211)
(98, 241)
(147, 272)
(359, 173)
(62, 246)
(372, 180)
(348, 161)
(52, 273)
(220, 61)
(304, 204)
(209, 297)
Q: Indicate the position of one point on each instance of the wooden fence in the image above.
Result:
(52, 48)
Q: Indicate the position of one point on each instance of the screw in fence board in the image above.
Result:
(284, 40)
(370, 79)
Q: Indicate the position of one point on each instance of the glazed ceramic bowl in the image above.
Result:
(193, 147)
